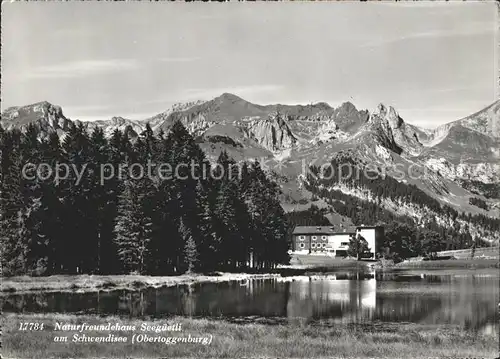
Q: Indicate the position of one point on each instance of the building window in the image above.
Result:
(314, 238)
(344, 243)
(302, 245)
(313, 245)
(302, 238)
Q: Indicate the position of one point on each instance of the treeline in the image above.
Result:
(488, 190)
(312, 216)
(402, 241)
(422, 239)
(478, 202)
(129, 223)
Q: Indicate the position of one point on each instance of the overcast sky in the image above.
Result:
(434, 62)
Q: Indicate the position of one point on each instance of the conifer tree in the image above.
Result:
(31, 153)
(50, 244)
(226, 228)
(190, 251)
(357, 247)
(208, 243)
(166, 245)
(232, 218)
(13, 237)
(80, 238)
(189, 166)
(269, 224)
(103, 197)
(132, 231)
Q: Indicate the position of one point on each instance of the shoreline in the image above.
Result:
(475, 263)
(90, 283)
(93, 283)
(294, 339)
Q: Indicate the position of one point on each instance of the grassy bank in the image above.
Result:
(478, 263)
(325, 263)
(99, 282)
(230, 340)
(322, 261)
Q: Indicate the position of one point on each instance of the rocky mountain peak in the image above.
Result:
(277, 117)
(323, 106)
(46, 116)
(227, 97)
(182, 106)
(348, 118)
(272, 133)
(130, 127)
(347, 107)
(471, 140)
(486, 121)
(119, 121)
(392, 125)
(389, 113)
(381, 110)
(32, 112)
(379, 129)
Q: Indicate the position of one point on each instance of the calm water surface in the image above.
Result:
(465, 298)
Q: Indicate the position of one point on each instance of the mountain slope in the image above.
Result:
(483, 124)
(486, 121)
(466, 149)
(287, 139)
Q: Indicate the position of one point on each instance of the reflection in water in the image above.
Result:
(466, 300)
(344, 300)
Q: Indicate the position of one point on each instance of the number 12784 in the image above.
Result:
(30, 326)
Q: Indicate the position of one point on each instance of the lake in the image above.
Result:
(466, 298)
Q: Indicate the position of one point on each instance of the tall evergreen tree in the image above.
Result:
(103, 196)
(208, 244)
(13, 232)
(32, 186)
(190, 251)
(230, 252)
(132, 231)
(269, 225)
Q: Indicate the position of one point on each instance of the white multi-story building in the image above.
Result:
(338, 243)
(332, 241)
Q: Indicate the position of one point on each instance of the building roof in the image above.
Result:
(324, 230)
(369, 227)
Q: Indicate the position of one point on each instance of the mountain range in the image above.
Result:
(457, 160)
